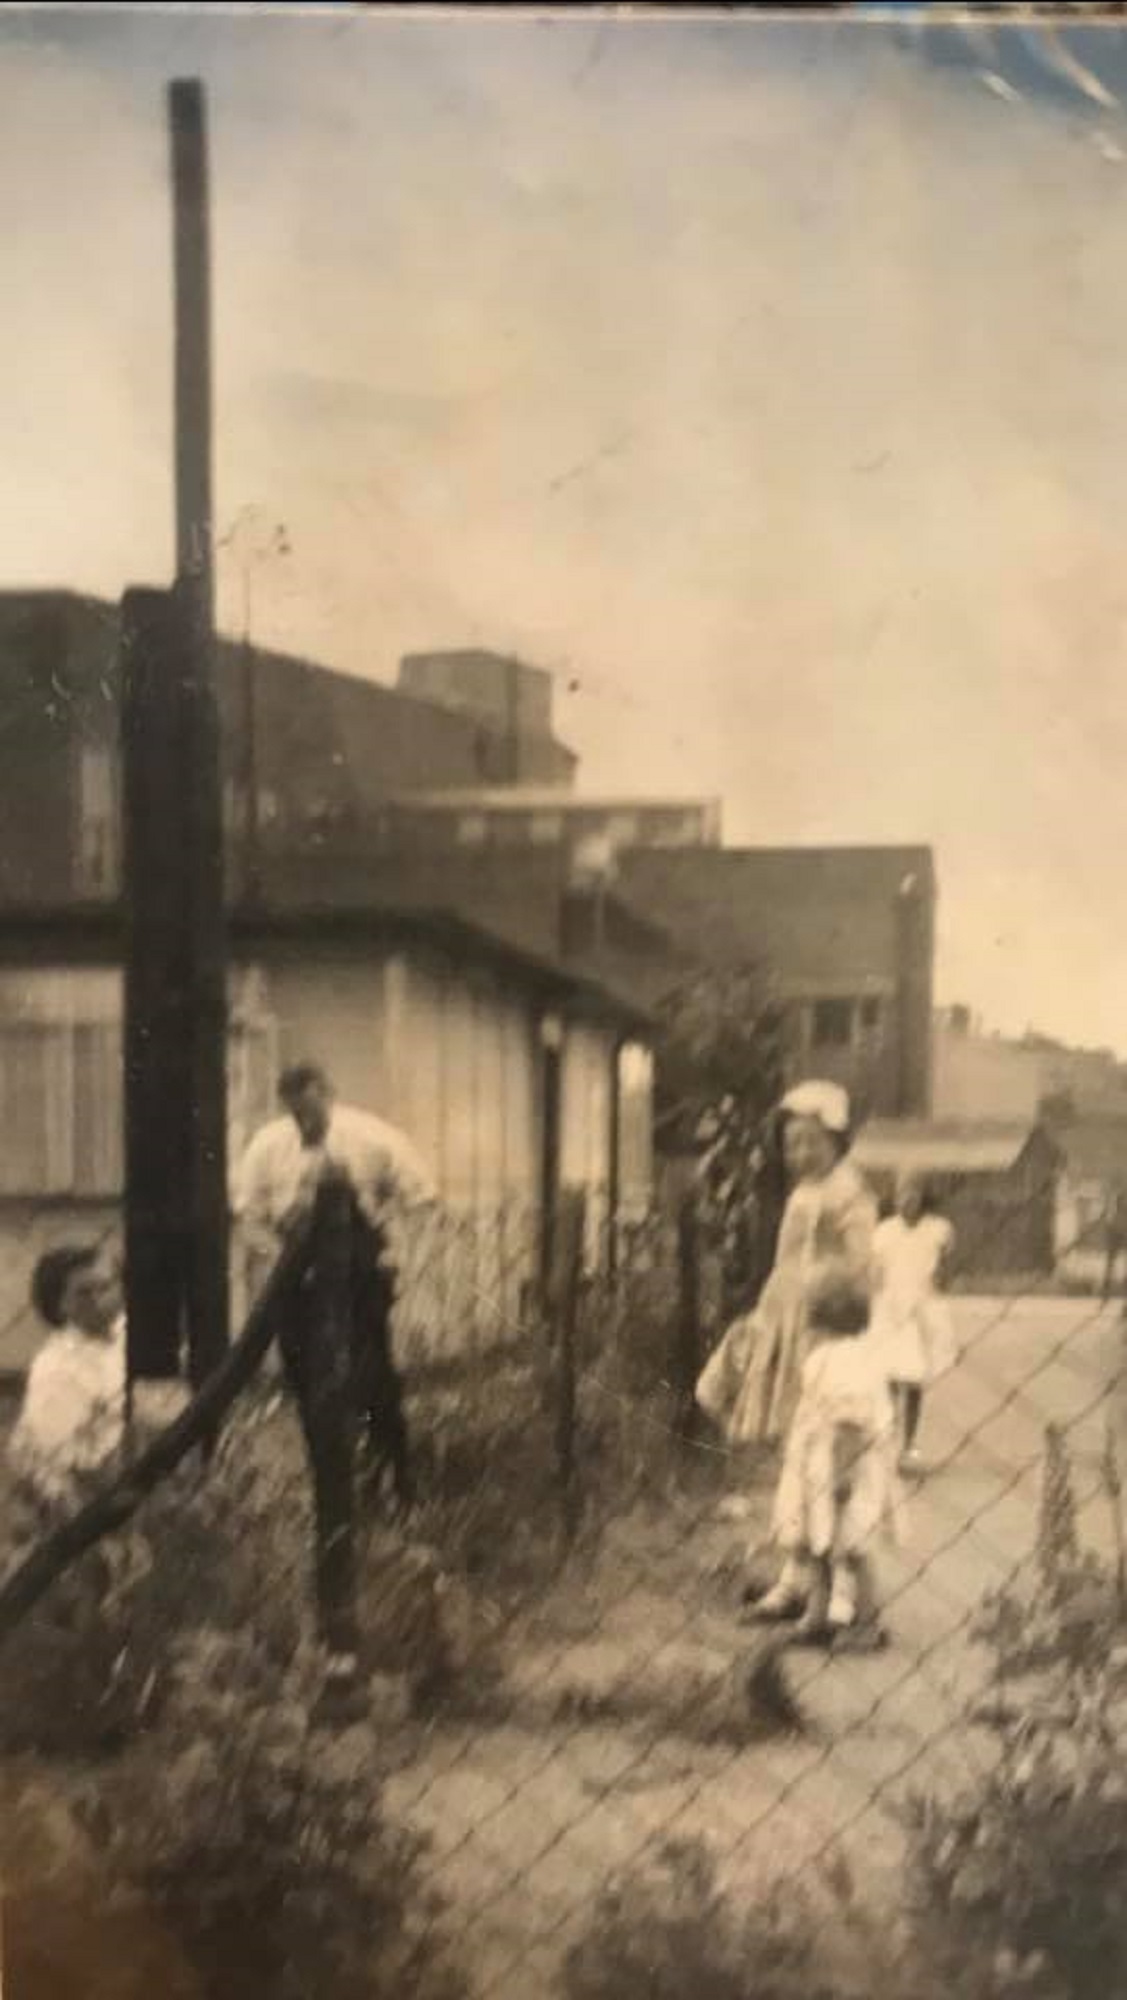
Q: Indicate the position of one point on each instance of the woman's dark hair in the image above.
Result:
(840, 1141)
(52, 1275)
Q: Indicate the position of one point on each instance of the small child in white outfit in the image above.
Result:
(839, 1485)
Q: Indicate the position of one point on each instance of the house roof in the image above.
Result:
(942, 1146)
(93, 934)
(1095, 1149)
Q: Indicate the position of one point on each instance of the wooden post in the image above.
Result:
(1113, 1486)
(686, 1358)
(567, 1266)
(551, 1038)
(192, 322)
(318, 1350)
(207, 1282)
(251, 874)
(157, 1030)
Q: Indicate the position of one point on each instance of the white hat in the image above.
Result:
(827, 1102)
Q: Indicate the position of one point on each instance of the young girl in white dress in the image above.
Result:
(838, 1487)
(911, 1260)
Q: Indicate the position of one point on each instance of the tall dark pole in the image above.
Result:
(157, 1044)
(175, 971)
(206, 1175)
(192, 310)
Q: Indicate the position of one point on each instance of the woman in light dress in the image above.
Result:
(913, 1323)
(752, 1383)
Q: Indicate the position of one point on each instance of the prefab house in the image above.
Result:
(512, 1077)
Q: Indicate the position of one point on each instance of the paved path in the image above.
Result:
(597, 1759)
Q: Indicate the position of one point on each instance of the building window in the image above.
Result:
(545, 829)
(470, 830)
(870, 1015)
(61, 1089)
(833, 1024)
(61, 1098)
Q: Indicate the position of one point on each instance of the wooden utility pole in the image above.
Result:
(158, 1078)
(175, 983)
(207, 1269)
(192, 279)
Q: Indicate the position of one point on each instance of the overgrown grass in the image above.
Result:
(168, 1688)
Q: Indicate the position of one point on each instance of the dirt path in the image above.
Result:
(614, 1692)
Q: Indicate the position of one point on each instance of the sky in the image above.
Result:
(764, 380)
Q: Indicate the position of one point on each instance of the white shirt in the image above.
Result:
(73, 1414)
(380, 1161)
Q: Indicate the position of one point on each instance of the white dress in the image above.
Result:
(844, 1389)
(912, 1320)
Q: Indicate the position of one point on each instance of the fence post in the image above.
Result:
(566, 1267)
(1113, 1486)
(318, 1354)
(686, 1359)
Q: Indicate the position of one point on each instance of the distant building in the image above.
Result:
(980, 1075)
(506, 695)
(846, 940)
(319, 751)
(591, 831)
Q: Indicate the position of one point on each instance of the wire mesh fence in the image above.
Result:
(629, 1707)
(780, 1763)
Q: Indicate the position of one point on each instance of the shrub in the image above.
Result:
(183, 1700)
(664, 1934)
(228, 1550)
(259, 1841)
(1021, 1881)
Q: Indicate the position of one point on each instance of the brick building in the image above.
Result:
(323, 750)
(846, 940)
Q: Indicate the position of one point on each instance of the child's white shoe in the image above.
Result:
(843, 1602)
(780, 1605)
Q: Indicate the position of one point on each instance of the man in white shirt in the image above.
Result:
(72, 1421)
(276, 1184)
